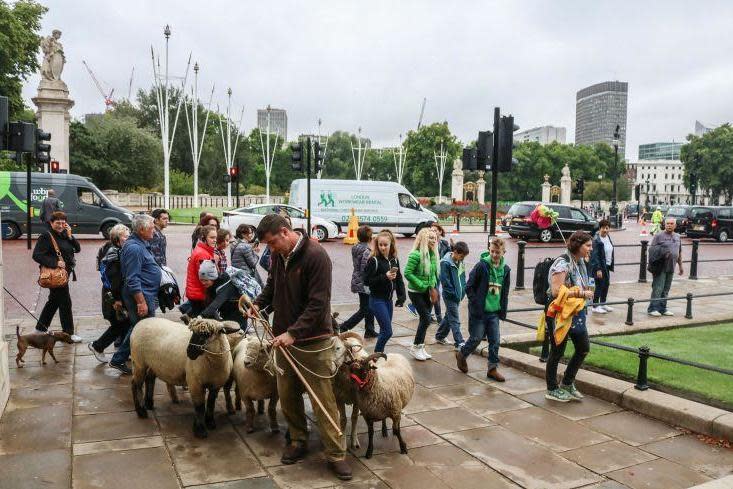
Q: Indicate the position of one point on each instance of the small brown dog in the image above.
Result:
(44, 341)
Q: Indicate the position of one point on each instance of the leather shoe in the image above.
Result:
(494, 374)
(294, 453)
(461, 362)
(341, 469)
(370, 333)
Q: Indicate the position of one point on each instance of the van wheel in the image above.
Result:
(13, 231)
(320, 233)
(106, 229)
(545, 235)
(723, 236)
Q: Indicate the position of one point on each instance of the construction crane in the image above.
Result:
(129, 86)
(422, 113)
(108, 102)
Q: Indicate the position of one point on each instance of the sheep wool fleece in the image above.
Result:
(290, 391)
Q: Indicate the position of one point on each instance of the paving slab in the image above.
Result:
(463, 391)
(723, 483)
(658, 474)
(448, 358)
(411, 477)
(425, 400)
(225, 454)
(527, 464)
(34, 376)
(449, 420)
(472, 477)
(631, 428)
(97, 401)
(47, 469)
(713, 461)
(548, 429)
(117, 445)
(34, 429)
(256, 483)
(144, 468)
(607, 485)
(608, 456)
(414, 437)
(112, 426)
(433, 374)
(494, 401)
(572, 410)
(312, 473)
(39, 396)
(517, 382)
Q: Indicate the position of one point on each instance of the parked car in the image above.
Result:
(711, 222)
(518, 224)
(87, 209)
(651, 208)
(632, 211)
(682, 214)
(321, 228)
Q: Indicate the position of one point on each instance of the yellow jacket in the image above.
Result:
(563, 308)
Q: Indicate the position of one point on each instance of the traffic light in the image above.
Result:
(484, 150)
(54, 166)
(42, 149)
(318, 154)
(3, 123)
(21, 137)
(234, 174)
(469, 159)
(637, 191)
(693, 183)
(579, 186)
(297, 156)
(506, 143)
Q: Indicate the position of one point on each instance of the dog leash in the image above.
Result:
(24, 308)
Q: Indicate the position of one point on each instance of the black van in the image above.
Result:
(682, 214)
(87, 209)
(570, 219)
(711, 222)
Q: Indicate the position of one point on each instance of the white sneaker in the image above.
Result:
(655, 314)
(599, 310)
(76, 338)
(459, 346)
(418, 352)
(667, 313)
(607, 308)
(425, 353)
(100, 356)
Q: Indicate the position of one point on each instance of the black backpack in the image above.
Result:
(539, 282)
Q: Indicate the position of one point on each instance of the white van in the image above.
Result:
(381, 205)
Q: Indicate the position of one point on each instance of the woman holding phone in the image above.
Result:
(422, 274)
(382, 276)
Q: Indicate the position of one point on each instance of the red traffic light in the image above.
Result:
(234, 172)
(54, 166)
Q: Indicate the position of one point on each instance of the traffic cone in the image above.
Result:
(644, 231)
(351, 238)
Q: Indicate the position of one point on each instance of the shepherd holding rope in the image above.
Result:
(298, 291)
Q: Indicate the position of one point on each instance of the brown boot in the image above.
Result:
(494, 374)
(294, 452)
(461, 362)
(341, 469)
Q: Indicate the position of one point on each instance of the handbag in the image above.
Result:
(53, 278)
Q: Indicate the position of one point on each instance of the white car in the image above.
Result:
(322, 229)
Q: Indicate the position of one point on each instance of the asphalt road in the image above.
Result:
(20, 272)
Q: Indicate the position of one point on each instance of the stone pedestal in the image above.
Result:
(566, 186)
(546, 189)
(481, 188)
(53, 104)
(456, 186)
(4, 371)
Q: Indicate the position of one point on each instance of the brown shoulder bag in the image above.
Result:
(53, 278)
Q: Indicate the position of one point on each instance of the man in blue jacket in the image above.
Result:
(488, 297)
(453, 285)
(142, 281)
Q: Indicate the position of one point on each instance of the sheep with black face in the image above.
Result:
(197, 356)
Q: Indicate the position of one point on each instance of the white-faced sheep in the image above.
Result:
(344, 388)
(197, 356)
(384, 389)
(253, 382)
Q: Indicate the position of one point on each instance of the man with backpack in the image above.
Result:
(668, 246)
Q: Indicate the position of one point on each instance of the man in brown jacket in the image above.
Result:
(298, 292)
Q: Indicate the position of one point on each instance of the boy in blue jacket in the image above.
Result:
(453, 283)
(488, 296)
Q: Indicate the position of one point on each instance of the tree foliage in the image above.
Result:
(710, 157)
(19, 44)
(421, 145)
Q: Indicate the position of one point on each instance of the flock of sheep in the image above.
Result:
(209, 355)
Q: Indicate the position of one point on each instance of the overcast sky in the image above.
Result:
(370, 63)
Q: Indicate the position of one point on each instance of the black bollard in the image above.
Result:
(693, 262)
(520, 265)
(688, 311)
(641, 377)
(642, 261)
(630, 311)
(486, 222)
(458, 221)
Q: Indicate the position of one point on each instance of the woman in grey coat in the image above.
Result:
(244, 256)
(360, 256)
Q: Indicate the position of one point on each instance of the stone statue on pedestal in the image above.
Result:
(53, 57)
(566, 185)
(546, 186)
(456, 188)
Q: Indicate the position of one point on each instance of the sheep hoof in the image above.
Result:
(141, 412)
(210, 423)
(403, 451)
(199, 431)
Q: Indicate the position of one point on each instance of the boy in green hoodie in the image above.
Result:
(488, 296)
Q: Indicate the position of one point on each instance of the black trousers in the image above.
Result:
(421, 301)
(58, 299)
(116, 329)
(364, 313)
(602, 284)
(578, 334)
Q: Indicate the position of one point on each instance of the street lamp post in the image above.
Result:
(647, 194)
(613, 211)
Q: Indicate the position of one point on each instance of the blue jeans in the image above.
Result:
(451, 321)
(123, 352)
(661, 284)
(382, 310)
(486, 326)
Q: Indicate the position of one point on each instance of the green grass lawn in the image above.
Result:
(711, 345)
(191, 216)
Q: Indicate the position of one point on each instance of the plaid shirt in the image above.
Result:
(221, 262)
(158, 247)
